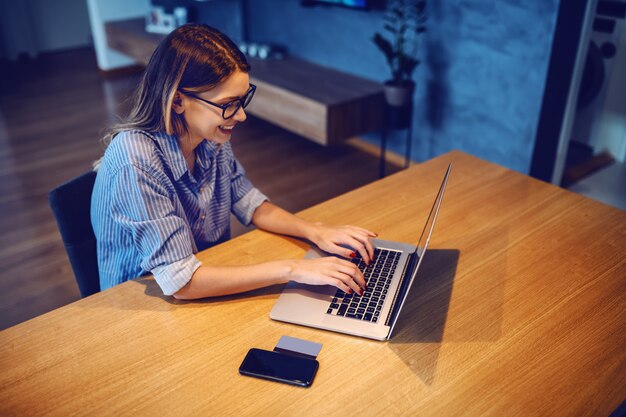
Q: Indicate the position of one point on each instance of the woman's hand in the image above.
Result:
(274, 219)
(330, 239)
(329, 270)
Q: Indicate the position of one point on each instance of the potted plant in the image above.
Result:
(404, 20)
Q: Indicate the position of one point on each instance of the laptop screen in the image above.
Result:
(418, 255)
(432, 216)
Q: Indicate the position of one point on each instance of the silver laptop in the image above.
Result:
(389, 279)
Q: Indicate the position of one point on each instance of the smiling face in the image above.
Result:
(205, 121)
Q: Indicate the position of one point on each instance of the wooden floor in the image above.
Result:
(52, 113)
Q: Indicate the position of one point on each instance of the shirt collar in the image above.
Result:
(205, 153)
(172, 152)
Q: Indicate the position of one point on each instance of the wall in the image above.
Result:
(226, 15)
(30, 27)
(102, 11)
(611, 134)
(223, 14)
(481, 82)
(60, 25)
(17, 36)
(479, 88)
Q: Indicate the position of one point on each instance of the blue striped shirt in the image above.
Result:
(150, 214)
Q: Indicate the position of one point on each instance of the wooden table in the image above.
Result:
(518, 311)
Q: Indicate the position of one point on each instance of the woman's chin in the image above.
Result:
(221, 137)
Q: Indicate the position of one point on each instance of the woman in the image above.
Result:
(168, 182)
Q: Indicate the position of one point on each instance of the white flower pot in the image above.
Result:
(399, 95)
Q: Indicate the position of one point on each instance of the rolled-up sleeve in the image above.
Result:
(143, 207)
(176, 275)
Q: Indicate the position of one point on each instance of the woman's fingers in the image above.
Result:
(341, 285)
(355, 246)
(369, 247)
(341, 251)
(357, 239)
(361, 241)
(363, 246)
(330, 271)
(346, 272)
(352, 276)
(366, 238)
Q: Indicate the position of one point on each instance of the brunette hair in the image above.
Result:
(195, 58)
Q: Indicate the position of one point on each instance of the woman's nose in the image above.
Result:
(240, 115)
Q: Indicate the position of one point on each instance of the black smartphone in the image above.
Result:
(280, 367)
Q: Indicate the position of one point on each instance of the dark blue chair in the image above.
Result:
(71, 204)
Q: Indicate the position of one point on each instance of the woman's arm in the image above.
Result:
(213, 281)
(274, 219)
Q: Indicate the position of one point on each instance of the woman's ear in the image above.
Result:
(177, 103)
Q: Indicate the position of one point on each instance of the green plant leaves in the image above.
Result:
(404, 21)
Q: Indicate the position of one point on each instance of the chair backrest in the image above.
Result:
(71, 205)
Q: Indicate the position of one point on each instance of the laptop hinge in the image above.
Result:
(409, 267)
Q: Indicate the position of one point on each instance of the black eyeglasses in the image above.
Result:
(232, 107)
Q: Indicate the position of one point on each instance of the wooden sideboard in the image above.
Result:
(319, 103)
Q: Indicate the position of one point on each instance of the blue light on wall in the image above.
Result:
(348, 3)
(480, 84)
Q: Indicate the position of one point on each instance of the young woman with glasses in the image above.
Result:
(168, 182)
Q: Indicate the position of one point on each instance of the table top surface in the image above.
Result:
(518, 309)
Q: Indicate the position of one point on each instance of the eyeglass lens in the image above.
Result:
(234, 105)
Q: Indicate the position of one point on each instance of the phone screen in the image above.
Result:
(279, 367)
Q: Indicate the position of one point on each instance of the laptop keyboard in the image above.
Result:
(378, 277)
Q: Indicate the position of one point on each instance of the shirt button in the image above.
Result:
(203, 216)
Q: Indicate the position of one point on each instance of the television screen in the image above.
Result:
(355, 4)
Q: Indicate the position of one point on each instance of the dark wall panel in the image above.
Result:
(481, 83)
